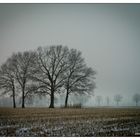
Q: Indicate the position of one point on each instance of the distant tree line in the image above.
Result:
(117, 98)
(46, 71)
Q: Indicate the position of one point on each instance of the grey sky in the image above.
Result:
(107, 34)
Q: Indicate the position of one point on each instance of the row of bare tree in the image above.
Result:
(46, 71)
(118, 98)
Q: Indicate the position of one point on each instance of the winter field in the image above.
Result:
(70, 122)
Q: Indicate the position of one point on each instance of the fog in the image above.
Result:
(107, 34)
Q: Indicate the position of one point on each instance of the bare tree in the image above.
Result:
(79, 77)
(136, 98)
(51, 65)
(117, 99)
(7, 80)
(23, 63)
(99, 99)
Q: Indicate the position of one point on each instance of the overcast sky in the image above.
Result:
(107, 34)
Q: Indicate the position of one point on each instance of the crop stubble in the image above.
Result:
(70, 122)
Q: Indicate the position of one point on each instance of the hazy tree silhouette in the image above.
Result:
(23, 63)
(107, 100)
(7, 80)
(117, 99)
(99, 99)
(79, 77)
(136, 98)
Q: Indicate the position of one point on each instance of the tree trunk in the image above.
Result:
(52, 99)
(14, 102)
(66, 99)
(23, 98)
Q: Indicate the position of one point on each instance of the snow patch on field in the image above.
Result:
(23, 132)
(85, 128)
